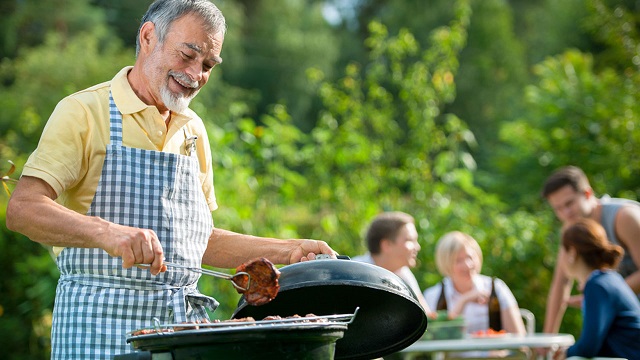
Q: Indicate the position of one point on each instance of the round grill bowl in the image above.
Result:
(389, 318)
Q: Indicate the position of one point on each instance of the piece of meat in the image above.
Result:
(247, 319)
(150, 331)
(263, 286)
(191, 327)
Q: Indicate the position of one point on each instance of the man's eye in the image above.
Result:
(185, 55)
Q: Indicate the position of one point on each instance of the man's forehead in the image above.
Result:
(563, 194)
(410, 231)
(191, 29)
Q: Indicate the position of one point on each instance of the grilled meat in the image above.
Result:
(263, 286)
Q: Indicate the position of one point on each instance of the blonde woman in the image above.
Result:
(464, 291)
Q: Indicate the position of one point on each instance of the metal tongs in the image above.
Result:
(213, 273)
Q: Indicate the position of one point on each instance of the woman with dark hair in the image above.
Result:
(611, 311)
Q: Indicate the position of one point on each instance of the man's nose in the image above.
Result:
(195, 72)
(567, 212)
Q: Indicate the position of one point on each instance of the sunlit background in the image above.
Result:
(325, 113)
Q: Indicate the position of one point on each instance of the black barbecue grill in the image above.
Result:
(388, 319)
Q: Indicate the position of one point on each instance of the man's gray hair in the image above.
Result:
(164, 12)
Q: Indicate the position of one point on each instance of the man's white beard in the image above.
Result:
(177, 102)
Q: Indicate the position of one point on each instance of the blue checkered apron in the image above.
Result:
(97, 301)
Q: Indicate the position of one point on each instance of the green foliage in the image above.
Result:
(576, 116)
(549, 27)
(411, 123)
(281, 39)
(617, 28)
(46, 73)
(492, 69)
(27, 23)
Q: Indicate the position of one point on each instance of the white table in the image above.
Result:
(439, 347)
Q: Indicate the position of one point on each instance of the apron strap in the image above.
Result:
(116, 122)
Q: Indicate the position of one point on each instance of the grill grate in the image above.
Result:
(302, 321)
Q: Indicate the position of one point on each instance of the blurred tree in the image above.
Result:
(492, 69)
(123, 17)
(279, 41)
(580, 117)
(615, 29)
(25, 23)
(548, 27)
(45, 74)
(492, 64)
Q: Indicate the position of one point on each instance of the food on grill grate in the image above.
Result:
(250, 321)
(263, 284)
(306, 318)
(190, 325)
(244, 319)
(151, 331)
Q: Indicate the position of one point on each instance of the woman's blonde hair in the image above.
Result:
(448, 247)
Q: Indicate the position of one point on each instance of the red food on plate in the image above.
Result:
(489, 333)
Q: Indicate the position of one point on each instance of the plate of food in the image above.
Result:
(489, 333)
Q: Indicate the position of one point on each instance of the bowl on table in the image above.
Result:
(443, 328)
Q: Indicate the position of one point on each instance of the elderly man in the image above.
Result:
(570, 195)
(123, 175)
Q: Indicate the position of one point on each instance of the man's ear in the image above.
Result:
(385, 244)
(148, 37)
(588, 192)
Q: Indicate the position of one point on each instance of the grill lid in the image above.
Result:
(390, 317)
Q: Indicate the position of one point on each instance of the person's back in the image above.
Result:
(611, 311)
(609, 300)
(610, 209)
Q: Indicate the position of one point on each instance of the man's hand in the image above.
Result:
(308, 249)
(33, 212)
(575, 301)
(134, 246)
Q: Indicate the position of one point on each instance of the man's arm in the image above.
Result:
(558, 296)
(627, 229)
(512, 320)
(33, 212)
(227, 249)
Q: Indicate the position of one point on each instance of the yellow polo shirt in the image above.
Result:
(71, 151)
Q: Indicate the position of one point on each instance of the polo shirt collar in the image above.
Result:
(128, 102)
